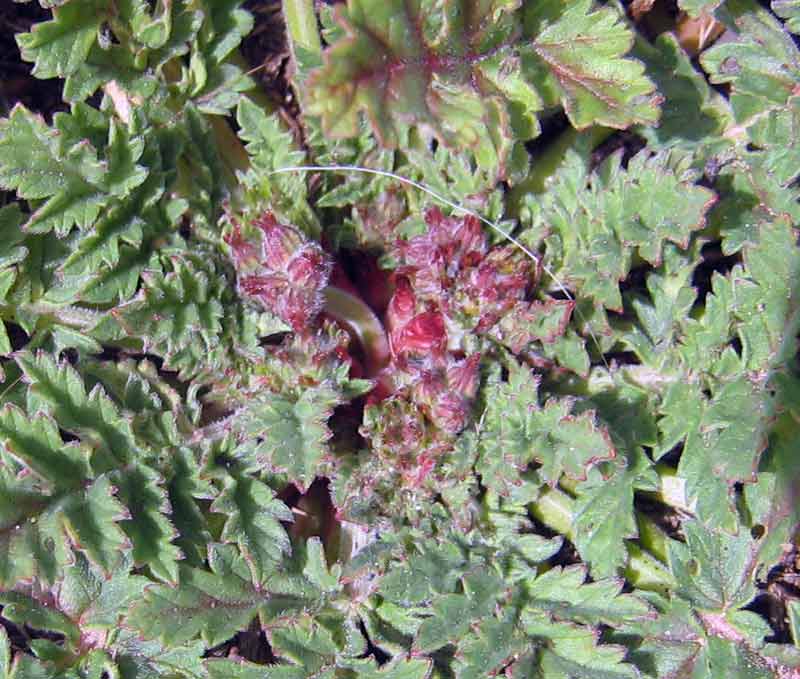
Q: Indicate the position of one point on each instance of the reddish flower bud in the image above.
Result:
(402, 306)
(244, 254)
(280, 243)
(423, 335)
(289, 276)
(464, 376)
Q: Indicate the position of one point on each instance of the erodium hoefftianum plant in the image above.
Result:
(480, 359)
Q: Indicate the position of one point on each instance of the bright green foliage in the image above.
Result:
(568, 455)
(178, 312)
(253, 522)
(39, 163)
(58, 47)
(615, 213)
(760, 65)
(517, 430)
(584, 51)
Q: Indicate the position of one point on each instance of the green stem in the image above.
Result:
(301, 22)
(556, 510)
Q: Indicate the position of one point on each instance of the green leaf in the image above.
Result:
(602, 219)
(789, 10)
(516, 430)
(604, 519)
(583, 50)
(572, 652)
(563, 594)
(95, 600)
(253, 523)
(36, 443)
(58, 47)
(454, 70)
(92, 522)
(492, 647)
(93, 416)
(140, 659)
(39, 163)
(761, 64)
(149, 529)
(453, 614)
(270, 146)
(20, 608)
(5, 653)
(292, 434)
(178, 315)
(692, 113)
(714, 569)
(723, 440)
(699, 8)
(216, 604)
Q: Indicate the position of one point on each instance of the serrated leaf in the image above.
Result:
(584, 49)
(452, 614)
(270, 146)
(604, 519)
(59, 46)
(454, 70)
(148, 528)
(96, 601)
(36, 443)
(714, 569)
(253, 523)
(564, 595)
(178, 315)
(140, 659)
(40, 164)
(516, 430)
(723, 441)
(92, 523)
(292, 434)
(761, 64)
(603, 218)
(493, 645)
(60, 389)
(572, 652)
(216, 604)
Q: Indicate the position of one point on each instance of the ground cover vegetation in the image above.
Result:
(399, 339)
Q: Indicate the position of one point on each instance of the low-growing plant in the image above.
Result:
(466, 348)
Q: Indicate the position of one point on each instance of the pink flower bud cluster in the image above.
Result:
(286, 272)
(451, 278)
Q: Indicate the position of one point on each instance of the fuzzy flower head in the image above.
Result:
(281, 269)
(452, 271)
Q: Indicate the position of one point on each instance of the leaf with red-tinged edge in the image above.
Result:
(516, 430)
(535, 321)
(452, 69)
(584, 48)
